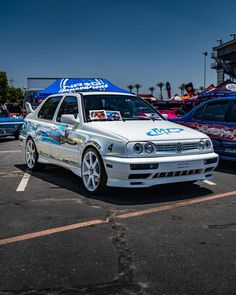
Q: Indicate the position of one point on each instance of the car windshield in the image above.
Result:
(14, 108)
(118, 107)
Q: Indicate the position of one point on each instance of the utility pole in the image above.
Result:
(205, 55)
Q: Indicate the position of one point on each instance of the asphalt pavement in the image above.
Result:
(168, 239)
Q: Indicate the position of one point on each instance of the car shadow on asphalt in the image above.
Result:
(65, 179)
(7, 139)
(227, 167)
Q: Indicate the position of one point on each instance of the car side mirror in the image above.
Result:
(69, 119)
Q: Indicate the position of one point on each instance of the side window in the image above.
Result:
(232, 113)
(48, 108)
(215, 111)
(198, 114)
(69, 106)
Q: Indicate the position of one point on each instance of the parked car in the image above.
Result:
(114, 139)
(9, 126)
(15, 110)
(217, 119)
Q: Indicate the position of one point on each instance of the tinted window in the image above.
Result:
(48, 109)
(129, 107)
(198, 114)
(215, 111)
(232, 113)
(69, 106)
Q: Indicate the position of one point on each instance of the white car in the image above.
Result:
(114, 139)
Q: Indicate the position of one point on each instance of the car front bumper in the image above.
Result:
(133, 172)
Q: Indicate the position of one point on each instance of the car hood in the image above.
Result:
(147, 130)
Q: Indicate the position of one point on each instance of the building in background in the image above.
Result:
(225, 60)
(35, 84)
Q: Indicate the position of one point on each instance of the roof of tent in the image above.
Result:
(65, 85)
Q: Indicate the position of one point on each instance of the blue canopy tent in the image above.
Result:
(64, 85)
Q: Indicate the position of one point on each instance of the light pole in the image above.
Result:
(205, 55)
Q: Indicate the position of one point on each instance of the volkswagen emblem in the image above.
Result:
(178, 147)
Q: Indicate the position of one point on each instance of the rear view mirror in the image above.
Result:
(69, 119)
(165, 116)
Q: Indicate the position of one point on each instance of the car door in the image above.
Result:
(67, 150)
(211, 120)
(44, 135)
(229, 143)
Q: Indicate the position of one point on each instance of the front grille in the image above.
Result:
(139, 176)
(178, 173)
(173, 147)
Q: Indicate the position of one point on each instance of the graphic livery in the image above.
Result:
(161, 131)
(96, 84)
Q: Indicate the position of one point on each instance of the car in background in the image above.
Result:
(217, 119)
(15, 110)
(9, 126)
(114, 139)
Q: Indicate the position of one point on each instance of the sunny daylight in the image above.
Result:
(117, 147)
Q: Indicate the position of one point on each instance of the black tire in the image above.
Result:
(93, 173)
(31, 156)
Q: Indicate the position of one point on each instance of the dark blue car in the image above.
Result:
(217, 119)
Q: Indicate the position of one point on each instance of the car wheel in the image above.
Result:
(31, 156)
(93, 172)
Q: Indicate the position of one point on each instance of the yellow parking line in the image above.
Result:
(51, 231)
(175, 205)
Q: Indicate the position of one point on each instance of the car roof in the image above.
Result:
(221, 99)
(92, 93)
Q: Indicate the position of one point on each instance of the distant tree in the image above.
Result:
(137, 86)
(182, 88)
(3, 86)
(151, 89)
(130, 87)
(201, 88)
(160, 85)
(14, 95)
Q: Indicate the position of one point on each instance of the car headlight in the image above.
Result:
(138, 148)
(208, 144)
(149, 148)
(201, 145)
(205, 144)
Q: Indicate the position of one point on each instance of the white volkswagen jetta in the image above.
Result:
(114, 139)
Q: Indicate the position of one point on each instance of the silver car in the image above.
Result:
(114, 139)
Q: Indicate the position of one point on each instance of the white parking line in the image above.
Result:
(209, 182)
(10, 151)
(24, 181)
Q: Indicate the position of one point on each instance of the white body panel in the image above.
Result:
(64, 145)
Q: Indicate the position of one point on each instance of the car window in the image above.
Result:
(198, 114)
(232, 113)
(69, 106)
(118, 107)
(215, 111)
(48, 108)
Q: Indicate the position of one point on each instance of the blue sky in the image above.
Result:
(124, 41)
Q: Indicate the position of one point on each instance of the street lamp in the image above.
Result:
(205, 55)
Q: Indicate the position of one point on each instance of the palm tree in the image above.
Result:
(137, 86)
(160, 85)
(201, 88)
(130, 87)
(182, 88)
(151, 89)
